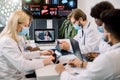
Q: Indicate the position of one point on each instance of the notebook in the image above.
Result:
(44, 36)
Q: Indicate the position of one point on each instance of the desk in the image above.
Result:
(47, 73)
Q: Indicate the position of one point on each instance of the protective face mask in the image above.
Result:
(100, 29)
(76, 26)
(24, 32)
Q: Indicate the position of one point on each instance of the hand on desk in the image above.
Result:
(48, 61)
(75, 63)
(64, 45)
(47, 52)
(32, 49)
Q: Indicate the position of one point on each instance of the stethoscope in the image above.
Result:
(83, 33)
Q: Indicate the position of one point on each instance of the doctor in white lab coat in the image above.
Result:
(95, 13)
(96, 10)
(13, 51)
(88, 36)
(106, 66)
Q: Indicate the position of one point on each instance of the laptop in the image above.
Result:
(75, 48)
(44, 36)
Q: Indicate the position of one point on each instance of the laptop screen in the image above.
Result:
(44, 35)
(76, 49)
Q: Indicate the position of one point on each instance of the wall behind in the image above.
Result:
(86, 6)
(6, 7)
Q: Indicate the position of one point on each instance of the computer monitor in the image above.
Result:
(44, 35)
(49, 9)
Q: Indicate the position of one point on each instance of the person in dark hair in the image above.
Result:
(95, 13)
(106, 66)
(47, 36)
(98, 9)
(111, 24)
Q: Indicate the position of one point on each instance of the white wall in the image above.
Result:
(6, 8)
(86, 5)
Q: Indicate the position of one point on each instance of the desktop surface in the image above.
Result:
(47, 73)
(46, 46)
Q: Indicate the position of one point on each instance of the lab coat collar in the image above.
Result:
(117, 45)
(86, 26)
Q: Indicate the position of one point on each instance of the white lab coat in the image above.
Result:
(24, 43)
(7, 71)
(105, 67)
(23, 61)
(90, 40)
(103, 46)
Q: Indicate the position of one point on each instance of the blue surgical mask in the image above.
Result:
(100, 29)
(76, 26)
(24, 32)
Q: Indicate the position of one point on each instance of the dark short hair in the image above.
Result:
(99, 8)
(77, 13)
(111, 20)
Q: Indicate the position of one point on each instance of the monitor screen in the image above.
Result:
(76, 49)
(49, 8)
(44, 35)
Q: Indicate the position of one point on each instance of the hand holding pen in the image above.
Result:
(76, 63)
